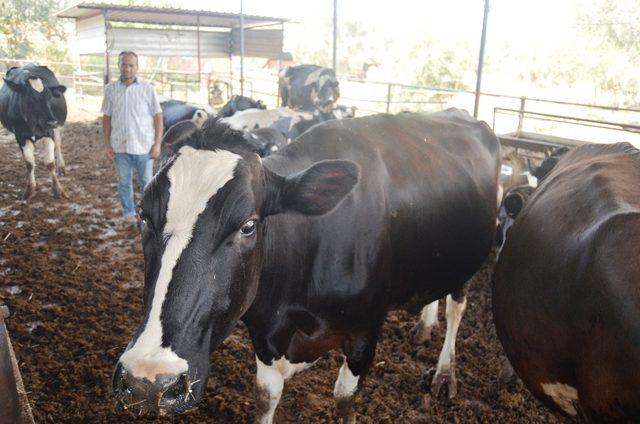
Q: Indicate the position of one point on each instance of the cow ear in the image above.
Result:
(14, 86)
(513, 204)
(314, 191)
(179, 135)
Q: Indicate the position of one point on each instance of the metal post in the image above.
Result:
(388, 96)
(198, 36)
(107, 77)
(186, 87)
(230, 74)
(521, 114)
(241, 50)
(335, 34)
(481, 59)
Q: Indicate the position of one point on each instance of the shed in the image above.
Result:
(103, 28)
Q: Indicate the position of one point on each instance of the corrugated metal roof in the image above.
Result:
(164, 16)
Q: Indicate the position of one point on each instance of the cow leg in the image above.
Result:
(354, 369)
(57, 138)
(421, 332)
(49, 161)
(270, 382)
(28, 154)
(445, 371)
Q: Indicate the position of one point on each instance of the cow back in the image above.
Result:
(566, 283)
(427, 182)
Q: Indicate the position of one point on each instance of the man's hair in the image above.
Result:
(126, 53)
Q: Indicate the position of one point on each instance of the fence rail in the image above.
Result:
(367, 96)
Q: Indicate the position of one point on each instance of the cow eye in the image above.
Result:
(143, 225)
(249, 227)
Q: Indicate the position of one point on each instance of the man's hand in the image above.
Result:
(155, 151)
(109, 151)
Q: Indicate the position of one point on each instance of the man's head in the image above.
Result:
(128, 63)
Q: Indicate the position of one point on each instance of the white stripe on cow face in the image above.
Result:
(36, 84)
(313, 77)
(194, 177)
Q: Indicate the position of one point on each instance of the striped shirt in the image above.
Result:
(131, 109)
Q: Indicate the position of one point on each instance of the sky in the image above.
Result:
(525, 23)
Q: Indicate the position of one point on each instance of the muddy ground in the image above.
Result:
(71, 275)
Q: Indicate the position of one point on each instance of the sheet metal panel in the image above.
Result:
(177, 43)
(90, 35)
(163, 15)
(265, 43)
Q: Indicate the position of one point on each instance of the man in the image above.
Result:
(132, 127)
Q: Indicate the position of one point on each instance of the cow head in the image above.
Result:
(327, 94)
(203, 229)
(36, 95)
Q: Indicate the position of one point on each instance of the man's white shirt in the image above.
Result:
(131, 109)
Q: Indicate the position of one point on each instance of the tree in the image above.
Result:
(31, 29)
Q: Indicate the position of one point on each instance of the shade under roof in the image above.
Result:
(164, 16)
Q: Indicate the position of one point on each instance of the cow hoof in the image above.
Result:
(420, 334)
(29, 193)
(446, 379)
(62, 171)
(507, 375)
(60, 193)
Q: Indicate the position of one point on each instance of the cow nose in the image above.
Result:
(168, 393)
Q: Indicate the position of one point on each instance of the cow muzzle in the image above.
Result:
(166, 394)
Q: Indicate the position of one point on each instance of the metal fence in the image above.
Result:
(508, 114)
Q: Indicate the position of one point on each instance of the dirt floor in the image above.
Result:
(71, 275)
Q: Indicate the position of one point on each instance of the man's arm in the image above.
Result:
(106, 132)
(157, 141)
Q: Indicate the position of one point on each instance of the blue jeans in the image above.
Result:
(125, 162)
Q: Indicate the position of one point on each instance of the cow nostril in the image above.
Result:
(176, 393)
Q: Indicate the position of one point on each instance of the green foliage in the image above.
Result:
(442, 66)
(31, 30)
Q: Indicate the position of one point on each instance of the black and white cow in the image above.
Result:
(310, 248)
(174, 111)
(302, 125)
(268, 140)
(238, 104)
(33, 107)
(257, 118)
(516, 196)
(308, 87)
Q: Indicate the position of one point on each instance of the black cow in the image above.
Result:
(240, 103)
(566, 298)
(174, 111)
(308, 87)
(33, 107)
(310, 248)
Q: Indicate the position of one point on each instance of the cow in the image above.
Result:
(566, 303)
(308, 87)
(526, 182)
(310, 248)
(174, 111)
(33, 107)
(340, 112)
(238, 104)
(251, 119)
(268, 140)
